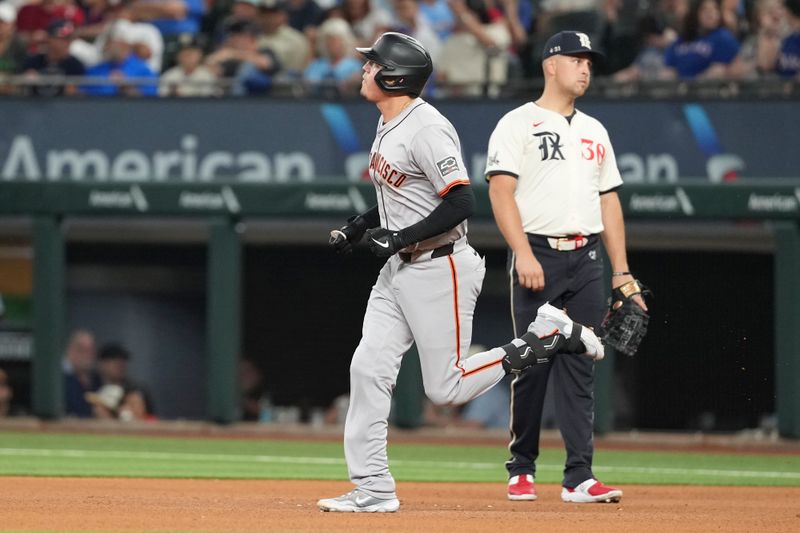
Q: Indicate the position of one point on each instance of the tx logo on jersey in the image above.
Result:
(550, 145)
(380, 167)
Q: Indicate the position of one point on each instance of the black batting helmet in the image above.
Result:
(406, 64)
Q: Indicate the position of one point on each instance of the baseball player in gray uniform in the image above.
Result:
(427, 290)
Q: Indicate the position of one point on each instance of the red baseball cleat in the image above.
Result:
(591, 491)
(521, 488)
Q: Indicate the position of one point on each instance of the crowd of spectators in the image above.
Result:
(259, 47)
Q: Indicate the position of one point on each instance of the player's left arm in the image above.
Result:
(614, 240)
(614, 231)
(457, 205)
(437, 152)
(613, 234)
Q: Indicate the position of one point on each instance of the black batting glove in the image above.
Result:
(344, 238)
(383, 242)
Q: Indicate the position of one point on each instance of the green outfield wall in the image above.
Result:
(222, 206)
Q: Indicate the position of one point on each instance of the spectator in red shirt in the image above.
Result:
(33, 20)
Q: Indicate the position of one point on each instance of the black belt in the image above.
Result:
(441, 251)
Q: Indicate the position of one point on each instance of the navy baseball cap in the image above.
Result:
(61, 28)
(569, 43)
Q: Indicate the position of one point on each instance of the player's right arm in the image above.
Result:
(506, 214)
(503, 168)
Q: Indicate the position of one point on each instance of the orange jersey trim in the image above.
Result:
(464, 373)
(484, 367)
(447, 189)
(456, 315)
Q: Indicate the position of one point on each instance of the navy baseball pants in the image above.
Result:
(573, 281)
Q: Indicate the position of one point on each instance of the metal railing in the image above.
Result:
(605, 87)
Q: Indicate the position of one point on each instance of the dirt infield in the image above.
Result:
(114, 504)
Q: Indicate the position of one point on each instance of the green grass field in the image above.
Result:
(49, 454)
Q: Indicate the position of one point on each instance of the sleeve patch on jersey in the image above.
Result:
(448, 165)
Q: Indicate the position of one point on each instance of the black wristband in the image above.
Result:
(372, 217)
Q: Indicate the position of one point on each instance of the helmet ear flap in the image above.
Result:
(393, 81)
(389, 84)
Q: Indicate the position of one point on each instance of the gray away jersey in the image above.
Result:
(414, 161)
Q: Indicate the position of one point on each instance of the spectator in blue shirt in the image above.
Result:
(240, 60)
(80, 375)
(654, 37)
(789, 56)
(439, 15)
(171, 17)
(704, 48)
(336, 71)
(122, 64)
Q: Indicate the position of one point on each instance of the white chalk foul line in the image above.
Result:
(171, 456)
(284, 459)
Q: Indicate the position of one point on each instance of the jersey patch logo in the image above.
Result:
(448, 165)
(494, 160)
(550, 145)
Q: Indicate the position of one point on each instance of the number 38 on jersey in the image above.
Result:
(593, 151)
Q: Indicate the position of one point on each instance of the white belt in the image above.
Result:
(566, 244)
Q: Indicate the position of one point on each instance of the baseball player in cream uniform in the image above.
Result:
(552, 183)
(427, 290)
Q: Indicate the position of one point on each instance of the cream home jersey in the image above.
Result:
(414, 161)
(562, 167)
